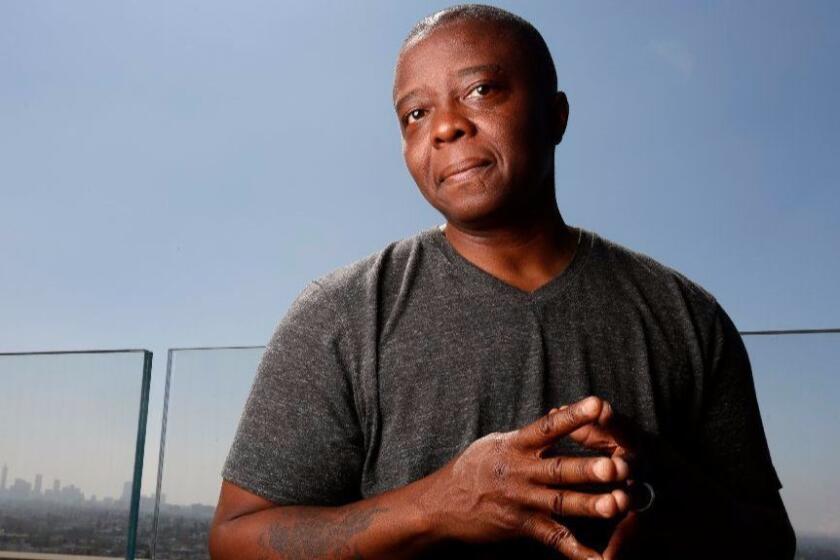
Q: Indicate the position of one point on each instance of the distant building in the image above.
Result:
(126, 493)
(20, 490)
(56, 487)
(38, 480)
(3, 476)
(72, 495)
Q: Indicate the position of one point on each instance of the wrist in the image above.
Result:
(415, 512)
(430, 509)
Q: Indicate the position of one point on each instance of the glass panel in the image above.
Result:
(797, 378)
(207, 389)
(70, 427)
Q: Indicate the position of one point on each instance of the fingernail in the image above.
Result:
(603, 469)
(604, 506)
(622, 500)
(621, 467)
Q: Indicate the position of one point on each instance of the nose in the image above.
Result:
(449, 126)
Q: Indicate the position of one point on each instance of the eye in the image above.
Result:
(415, 114)
(481, 90)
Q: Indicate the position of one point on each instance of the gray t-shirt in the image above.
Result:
(383, 370)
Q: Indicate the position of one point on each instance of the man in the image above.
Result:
(400, 408)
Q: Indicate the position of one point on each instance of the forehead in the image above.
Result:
(456, 45)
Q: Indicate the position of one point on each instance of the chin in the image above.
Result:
(474, 213)
(474, 205)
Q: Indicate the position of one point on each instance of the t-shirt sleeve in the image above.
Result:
(733, 445)
(299, 441)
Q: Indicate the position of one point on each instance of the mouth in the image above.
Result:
(464, 169)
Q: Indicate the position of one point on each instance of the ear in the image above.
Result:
(559, 116)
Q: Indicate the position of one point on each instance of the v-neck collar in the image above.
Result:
(485, 281)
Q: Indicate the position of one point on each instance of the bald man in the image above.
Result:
(504, 385)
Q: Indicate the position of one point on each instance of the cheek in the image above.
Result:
(520, 144)
(509, 137)
(417, 162)
(521, 136)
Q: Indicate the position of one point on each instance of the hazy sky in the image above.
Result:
(173, 173)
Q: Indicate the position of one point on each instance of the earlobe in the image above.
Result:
(560, 115)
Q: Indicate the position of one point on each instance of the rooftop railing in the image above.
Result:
(72, 439)
(80, 418)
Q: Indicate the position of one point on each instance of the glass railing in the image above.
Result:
(69, 443)
(72, 434)
(205, 393)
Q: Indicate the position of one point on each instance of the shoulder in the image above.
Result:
(669, 303)
(632, 267)
(357, 287)
(361, 279)
(636, 283)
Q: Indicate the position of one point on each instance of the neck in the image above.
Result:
(526, 251)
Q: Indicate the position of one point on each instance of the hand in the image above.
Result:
(501, 486)
(626, 538)
(619, 437)
(689, 505)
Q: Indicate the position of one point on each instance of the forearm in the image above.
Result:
(391, 524)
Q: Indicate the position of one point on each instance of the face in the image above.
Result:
(478, 136)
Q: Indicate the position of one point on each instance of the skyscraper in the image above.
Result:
(3, 476)
(126, 493)
(56, 487)
(38, 480)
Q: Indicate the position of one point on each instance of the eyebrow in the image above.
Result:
(494, 68)
(406, 97)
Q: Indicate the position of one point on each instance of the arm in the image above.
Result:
(300, 441)
(695, 516)
(717, 496)
(733, 480)
(499, 487)
(384, 526)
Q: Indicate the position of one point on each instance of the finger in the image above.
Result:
(617, 426)
(557, 424)
(612, 433)
(568, 503)
(558, 537)
(594, 436)
(578, 470)
(622, 543)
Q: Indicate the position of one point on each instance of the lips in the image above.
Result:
(461, 167)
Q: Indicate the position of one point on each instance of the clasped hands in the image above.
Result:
(505, 486)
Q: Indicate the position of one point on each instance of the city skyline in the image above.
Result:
(22, 489)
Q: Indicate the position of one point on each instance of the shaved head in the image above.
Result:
(511, 25)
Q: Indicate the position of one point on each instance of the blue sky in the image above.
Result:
(172, 174)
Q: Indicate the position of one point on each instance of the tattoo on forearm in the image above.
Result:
(306, 535)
